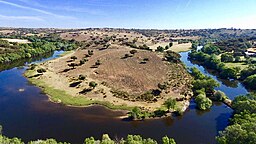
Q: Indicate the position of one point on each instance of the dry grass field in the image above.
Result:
(122, 78)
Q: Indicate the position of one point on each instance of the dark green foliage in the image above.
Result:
(98, 62)
(250, 82)
(82, 62)
(81, 77)
(41, 70)
(160, 49)
(132, 45)
(227, 57)
(211, 49)
(144, 47)
(167, 140)
(90, 52)
(39, 46)
(133, 51)
(242, 128)
(203, 102)
(162, 86)
(219, 96)
(229, 73)
(93, 84)
(73, 57)
(172, 56)
(135, 113)
(145, 59)
(245, 103)
(166, 47)
(170, 44)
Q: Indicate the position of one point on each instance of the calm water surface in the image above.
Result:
(29, 115)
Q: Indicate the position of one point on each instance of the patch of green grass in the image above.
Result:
(241, 65)
(60, 96)
(65, 53)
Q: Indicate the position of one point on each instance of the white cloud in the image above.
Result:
(34, 9)
(20, 18)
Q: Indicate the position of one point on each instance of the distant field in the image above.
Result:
(181, 47)
(17, 40)
(162, 44)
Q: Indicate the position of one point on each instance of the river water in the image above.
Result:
(25, 112)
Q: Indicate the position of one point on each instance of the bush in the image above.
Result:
(93, 84)
(219, 96)
(203, 102)
(41, 70)
(81, 77)
(133, 51)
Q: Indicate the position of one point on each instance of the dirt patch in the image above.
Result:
(16, 40)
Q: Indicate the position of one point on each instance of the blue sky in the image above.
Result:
(160, 14)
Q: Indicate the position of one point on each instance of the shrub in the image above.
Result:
(41, 70)
(93, 84)
(219, 96)
(81, 77)
(203, 102)
(133, 51)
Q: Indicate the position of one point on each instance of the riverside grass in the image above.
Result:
(60, 96)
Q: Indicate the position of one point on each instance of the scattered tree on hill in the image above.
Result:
(133, 52)
(90, 52)
(162, 86)
(41, 70)
(170, 44)
(98, 62)
(93, 84)
(81, 77)
(160, 49)
(166, 47)
(72, 65)
(73, 58)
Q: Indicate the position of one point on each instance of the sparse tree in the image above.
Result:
(170, 103)
(93, 84)
(73, 58)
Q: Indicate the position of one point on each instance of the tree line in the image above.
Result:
(14, 51)
(130, 139)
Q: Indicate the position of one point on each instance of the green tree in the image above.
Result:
(160, 49)
(89, 140)
(167, 140)
(203, 102)
(170, 103)
(41, 70)
(250, 82)
(73, 58)
(219, 96)
(93, 84)
(135, 113)
(133, 51)
(106, 139)
(170, 44)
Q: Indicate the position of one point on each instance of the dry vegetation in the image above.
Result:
(106, 70)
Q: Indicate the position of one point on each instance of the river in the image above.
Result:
(25, 112)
